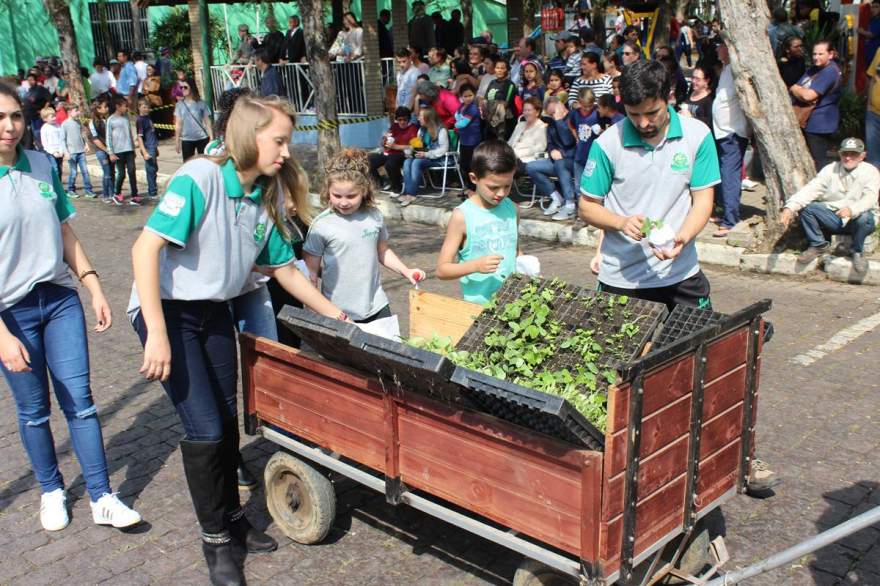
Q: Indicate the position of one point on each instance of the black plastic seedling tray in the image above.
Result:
(547, 414)
(684, 321)
(327, 336)
(404, 366)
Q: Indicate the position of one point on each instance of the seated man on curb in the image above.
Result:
(841, 199)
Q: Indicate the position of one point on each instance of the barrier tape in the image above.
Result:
(331, 124)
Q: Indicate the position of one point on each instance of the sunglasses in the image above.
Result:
(184, 87)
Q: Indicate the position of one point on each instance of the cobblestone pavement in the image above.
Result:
(817, 427)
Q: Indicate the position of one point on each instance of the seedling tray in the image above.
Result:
(404, 366)
(547, 414)
(327, 336)
(683, 321)
(576, 307)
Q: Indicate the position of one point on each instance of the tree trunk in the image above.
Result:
(663, 26)
(59, 12)
(321, 76)
(109, 49)
(399, 25)
(137, 35)
(372, 68)
(597, 19)
(467, 14)
(765, 101)
(514, 23)
(195, 43)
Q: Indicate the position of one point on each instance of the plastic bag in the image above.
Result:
(387, 327)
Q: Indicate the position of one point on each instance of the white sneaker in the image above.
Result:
(53, 510)
(566, 213)
(748, 184)
(109, 510)
(555, 203)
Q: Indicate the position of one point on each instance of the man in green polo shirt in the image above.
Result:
(654, 166)
(651, 167)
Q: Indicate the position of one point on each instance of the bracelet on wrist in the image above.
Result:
(87, 273)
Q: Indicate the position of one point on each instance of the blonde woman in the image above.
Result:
(221, 217)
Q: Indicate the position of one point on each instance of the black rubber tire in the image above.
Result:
(300, 499)
(533, 573)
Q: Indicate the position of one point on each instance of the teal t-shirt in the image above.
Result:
(488, 231)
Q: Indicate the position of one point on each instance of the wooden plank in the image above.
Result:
(718, 473)
(721, 430)
(591, 503)
(658, 430)
(727, 353)
(722, 393)
(655, 472)
(392, 440)
(431, 314)
(540, 498)
(662, 387)
(618, 407)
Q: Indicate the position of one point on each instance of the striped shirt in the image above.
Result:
(600, 86)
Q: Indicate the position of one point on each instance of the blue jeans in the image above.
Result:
(817, 220)
(204, 365)
(412, 173)
(541, 170)
(872, 137)
(253, 313)
(78, 160)
(731, 150)
(108, 174)
(578, 174)
(151, 167)
(50, 323)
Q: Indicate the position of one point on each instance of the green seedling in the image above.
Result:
(648, 224)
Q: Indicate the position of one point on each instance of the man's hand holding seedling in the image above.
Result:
(664, 242)
(632, 226)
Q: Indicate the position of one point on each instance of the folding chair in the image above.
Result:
(542, 201)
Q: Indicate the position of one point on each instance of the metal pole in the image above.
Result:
(819, 541)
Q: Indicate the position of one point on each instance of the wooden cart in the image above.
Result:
(679, 439)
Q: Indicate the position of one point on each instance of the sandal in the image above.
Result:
(721, 233)
(405, 200)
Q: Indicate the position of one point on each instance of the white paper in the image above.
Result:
(528, 265)
(387, 327)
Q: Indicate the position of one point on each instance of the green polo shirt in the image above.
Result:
(632, 177)
(34, 206)
(216, 232)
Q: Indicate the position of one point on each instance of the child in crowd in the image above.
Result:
(148, 145)
(394, 143)
(468, 123)
(76, 150)
(52, 138)
(120, 147)
(432, 145)
(348, 241)
(556, 87)
(532, 82)
(607, 110)
(480, 247)
(584, 122)
(97, 135)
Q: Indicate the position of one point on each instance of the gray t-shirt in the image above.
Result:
(73, 136)
(347, 245)
(192, 119)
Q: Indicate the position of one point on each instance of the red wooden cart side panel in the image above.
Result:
(662, 387)
(720, 431)
(655, 471)
(297, 396)
(718, 474)
(591, 505)
(538, 497)
(724, 392)
(655, 517)
(658, 430)
(726, 354)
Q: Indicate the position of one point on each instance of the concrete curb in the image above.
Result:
(161, 178)
(835, 268)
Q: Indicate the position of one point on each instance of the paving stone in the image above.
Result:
(719, 254)
(779, 264)
(840, 269)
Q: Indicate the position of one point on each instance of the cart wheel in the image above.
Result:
(696, 556)
(300, 499)
(534, 573)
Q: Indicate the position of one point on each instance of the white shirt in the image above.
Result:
(52, 137)
(727, 115)
(141, 68)
(101, 82)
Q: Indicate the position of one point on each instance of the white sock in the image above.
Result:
(557, 198)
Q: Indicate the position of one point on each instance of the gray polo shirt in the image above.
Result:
(632, 177)
(35, 205)
(347, 245)
(73, 137)
(216, 235)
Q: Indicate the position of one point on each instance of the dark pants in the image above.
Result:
(818, 145)
(108, 174)
(731, 150)
(151, 166)
(381, 314)
(465, 156)
(125, 162)
(188, 148)
(393, 164)
(818, 221)
(204, 365)
(693, 292)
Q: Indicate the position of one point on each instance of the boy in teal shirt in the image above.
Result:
(480, 247)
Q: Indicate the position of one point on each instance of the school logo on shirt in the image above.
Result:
(260, 232)
(45, 190)
(589, 168)
(370, 232)
(680, 163)
(171, 204)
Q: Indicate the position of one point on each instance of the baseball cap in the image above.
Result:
(852, 145)
(114, 62)
(563, 36)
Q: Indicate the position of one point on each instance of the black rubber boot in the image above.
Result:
(205, 476)
(244, 476)
(253, 540)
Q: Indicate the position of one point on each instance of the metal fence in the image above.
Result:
(120, 27)
(351, 95)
